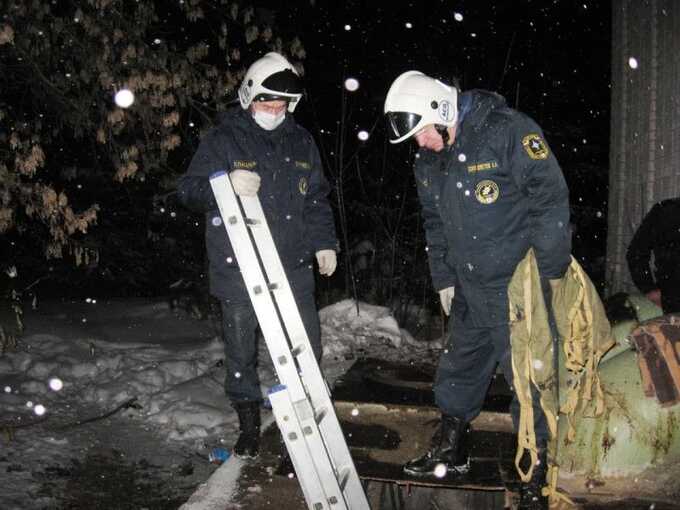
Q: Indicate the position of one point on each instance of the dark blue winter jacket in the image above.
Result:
(486, 199)
(293, 193)
(659, 233)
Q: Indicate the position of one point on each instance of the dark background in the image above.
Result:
(550, 59)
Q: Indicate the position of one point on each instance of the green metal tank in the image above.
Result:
(632, 450)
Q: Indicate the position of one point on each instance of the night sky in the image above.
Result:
(550, 59)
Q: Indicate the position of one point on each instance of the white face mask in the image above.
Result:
(268, 121)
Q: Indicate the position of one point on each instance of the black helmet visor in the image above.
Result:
(402, 122)
(284, 82)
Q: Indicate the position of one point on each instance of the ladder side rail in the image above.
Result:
(300, 455)
(312, 377)
(256, 285)
(273, 332)
(285, 300)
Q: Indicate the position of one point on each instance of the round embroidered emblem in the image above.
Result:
(487, 191)
(303, 185)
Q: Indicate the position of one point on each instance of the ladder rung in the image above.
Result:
(344, 476)
(320, 415)
(301, 405)
(297, 350)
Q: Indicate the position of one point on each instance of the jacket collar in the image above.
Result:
(475, 105)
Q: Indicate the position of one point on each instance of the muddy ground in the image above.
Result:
(115, 463)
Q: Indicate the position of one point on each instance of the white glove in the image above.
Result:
(327, 260)
(245, 182)
(446, 298)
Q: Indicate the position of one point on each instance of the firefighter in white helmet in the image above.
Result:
(416, 101)
(271, 78)
(490, 189)
(266, 153)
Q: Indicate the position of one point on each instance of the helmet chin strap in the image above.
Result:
(444, 132)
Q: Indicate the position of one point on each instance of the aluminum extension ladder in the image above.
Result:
(301, 403)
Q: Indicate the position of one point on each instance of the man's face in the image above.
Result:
(274, 107)
(429, 138)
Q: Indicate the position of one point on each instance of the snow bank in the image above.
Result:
(104, 354)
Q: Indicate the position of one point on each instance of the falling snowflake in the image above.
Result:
(56, 384)
(124, 98)
(351, 84)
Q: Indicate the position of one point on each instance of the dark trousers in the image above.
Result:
(670, 299)
(466, 367)
(240, 335)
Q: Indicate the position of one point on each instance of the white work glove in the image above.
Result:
(245, 182)
(327, 260)
(446, 298)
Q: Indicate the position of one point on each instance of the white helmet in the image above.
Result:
(268, 78)
(415, 101)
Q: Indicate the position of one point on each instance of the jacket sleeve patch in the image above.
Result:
(535, 146)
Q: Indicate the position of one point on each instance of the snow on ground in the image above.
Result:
(105, 354)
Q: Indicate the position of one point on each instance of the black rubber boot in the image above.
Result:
(248, 444)
(447, 455)
(286, 467)
(530, 496)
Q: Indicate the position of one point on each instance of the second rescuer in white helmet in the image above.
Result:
(491, 192)
(424, 108)
(270, 87)
(266, 153)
